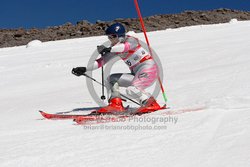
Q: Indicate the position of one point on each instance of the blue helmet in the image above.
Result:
(116, 29)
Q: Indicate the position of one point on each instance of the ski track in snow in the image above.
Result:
(206, 68)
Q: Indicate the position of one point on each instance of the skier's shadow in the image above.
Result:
(80, 109)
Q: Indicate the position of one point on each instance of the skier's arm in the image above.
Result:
(97, 64)
(101, 61)
(120, 48)
(124, 47)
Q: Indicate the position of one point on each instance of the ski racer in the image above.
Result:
(144, 70)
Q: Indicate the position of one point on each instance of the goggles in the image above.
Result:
(113, 36)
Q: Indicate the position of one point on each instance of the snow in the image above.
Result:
(205, 67)
(34, 43)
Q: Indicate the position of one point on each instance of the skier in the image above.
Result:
(143, 70)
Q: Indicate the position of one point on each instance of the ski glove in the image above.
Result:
(103, 49)
(78, 71)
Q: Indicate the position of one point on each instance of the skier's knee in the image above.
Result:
(112, 79)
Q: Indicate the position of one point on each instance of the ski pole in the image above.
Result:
(105, 86)
(103, 96)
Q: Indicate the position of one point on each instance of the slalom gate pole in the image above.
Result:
(93, 79)
(146, 37)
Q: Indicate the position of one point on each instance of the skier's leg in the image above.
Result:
(135, 93)
(126, 80)
(144, 78)
(119, 79)
(115, 101)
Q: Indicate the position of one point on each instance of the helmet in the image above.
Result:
(116, 29)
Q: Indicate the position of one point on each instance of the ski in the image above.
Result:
(83, 119)
(57, 116)
(93, 116)
(112, 117)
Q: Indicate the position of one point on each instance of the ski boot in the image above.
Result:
(149, 105)
(115, 105)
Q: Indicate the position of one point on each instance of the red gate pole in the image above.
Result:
(146, 37)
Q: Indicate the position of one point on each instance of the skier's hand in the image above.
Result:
(103, 49)
(78, 71)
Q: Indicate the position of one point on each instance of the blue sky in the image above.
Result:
(43, 13)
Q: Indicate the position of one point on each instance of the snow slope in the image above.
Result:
(204, 66)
